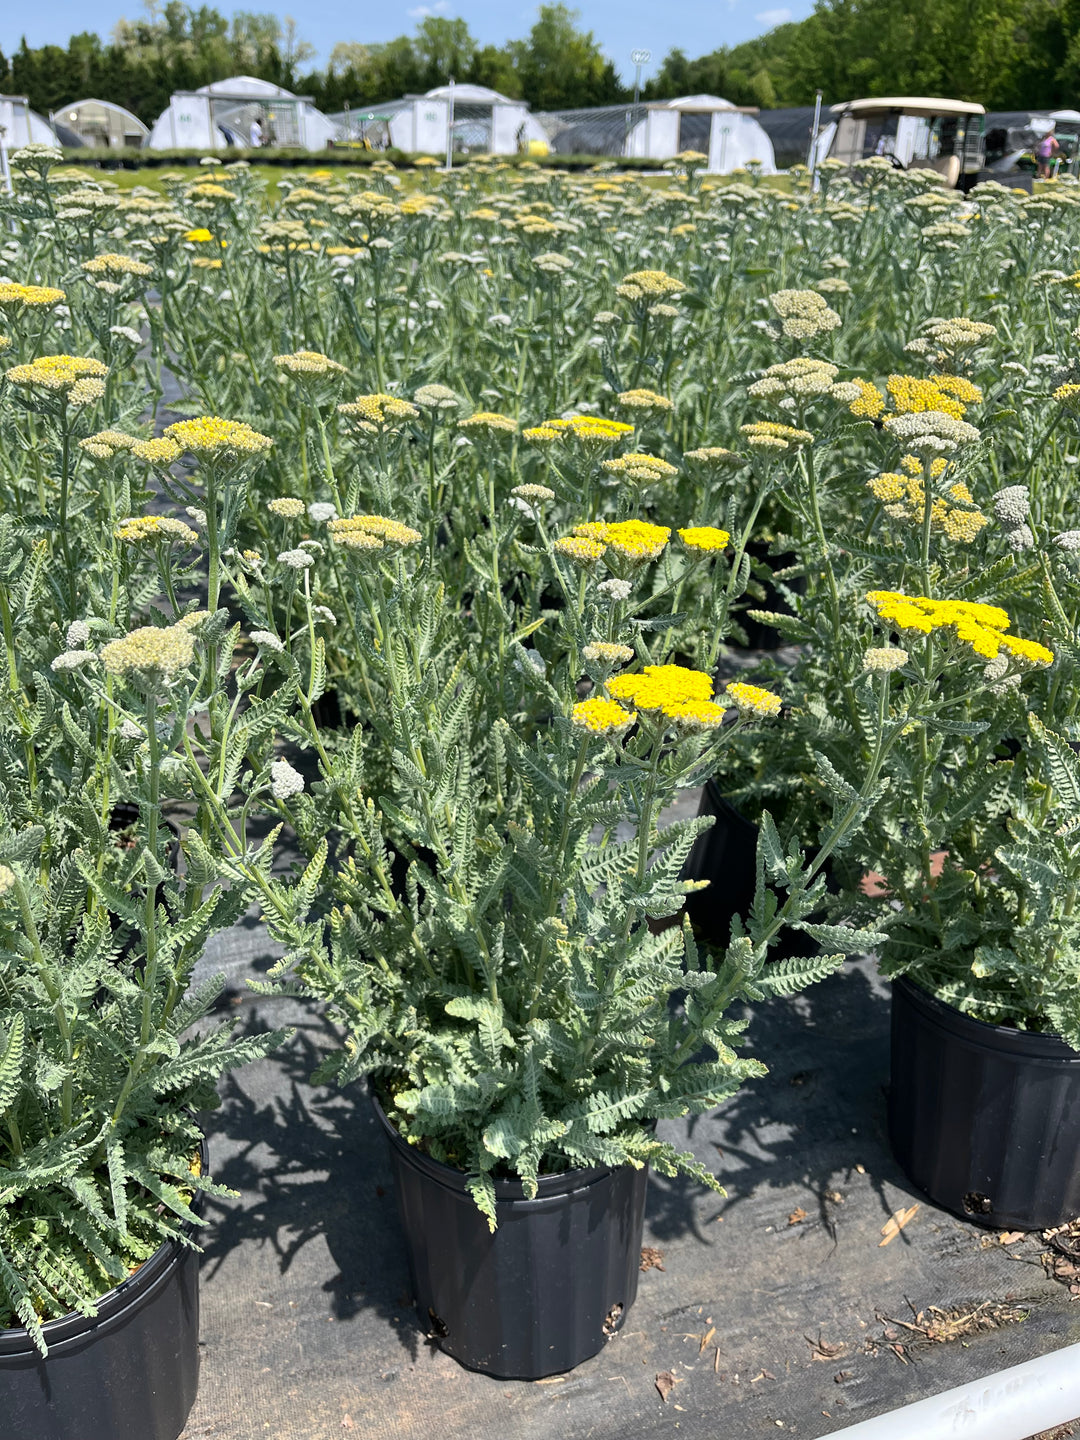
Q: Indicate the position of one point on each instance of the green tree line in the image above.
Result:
(181, 47)
(1005, 53)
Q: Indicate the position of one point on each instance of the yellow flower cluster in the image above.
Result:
(200, 236)
(159, 451)
(540, 435)
(752, 699)
(649, 285)
(959, 388)
(590, 430)
(210, 436)
(32, 297)
(640, 469)
(914, 396)
(636, 541)
(673, 692)
(904, 498)
(576, 547)
(208, 190)
(980, 626)
(871, 401)
(153, 528)
(771, 435)
(599, 716)
(111, 264)
(645, 400)
(705, 539)
(490, 421)
(57, 372)
(308, 362)
(356, 532)
(151, 650)
(378, 412)
(85, 392)
(1068, 394)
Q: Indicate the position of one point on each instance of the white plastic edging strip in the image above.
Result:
(1011, 1405)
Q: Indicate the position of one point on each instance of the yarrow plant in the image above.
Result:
(494, 602)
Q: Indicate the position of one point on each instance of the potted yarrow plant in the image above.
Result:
(103, 1163)
(522, 1014)
(975, 866)
(965, 865)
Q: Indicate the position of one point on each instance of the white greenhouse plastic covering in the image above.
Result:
(22, 125)
(484, 123)
(101, 124)
(226, 112)
(659, 130)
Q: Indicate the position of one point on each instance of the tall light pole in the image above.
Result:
(638, 59)
(814, 134)
(450, 126)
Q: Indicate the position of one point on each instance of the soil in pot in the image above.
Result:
(542, 1293)
(131, 1373)
(984, 1118)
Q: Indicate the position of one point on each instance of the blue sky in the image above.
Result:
(696, 26)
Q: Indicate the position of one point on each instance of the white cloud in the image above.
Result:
(423, 11)
(770, 17)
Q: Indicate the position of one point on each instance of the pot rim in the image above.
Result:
(549, 1187)
(16, 1344)
(1025, 1044)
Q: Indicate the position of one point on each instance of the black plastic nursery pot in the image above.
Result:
(542, 1293)
(759, 634)
(983, 1118)
(726, 856)
(131, 1373)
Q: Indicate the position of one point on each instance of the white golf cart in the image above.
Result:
(911, 132)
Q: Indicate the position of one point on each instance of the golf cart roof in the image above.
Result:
(908, 105)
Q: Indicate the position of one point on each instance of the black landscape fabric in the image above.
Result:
(774, 1309)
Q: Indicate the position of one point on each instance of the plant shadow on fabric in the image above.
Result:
(312, 1164)
(803, 1127)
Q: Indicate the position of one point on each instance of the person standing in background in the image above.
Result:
(1046, 151)
(255, 136)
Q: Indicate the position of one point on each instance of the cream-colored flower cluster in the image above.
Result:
(308, 364)
(377, 414)
(804, 314)
(111, 264)
(372, 532)
(640, 469)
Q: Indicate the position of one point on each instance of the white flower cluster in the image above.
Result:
(285, 782)
(296, 559)
(931, 431)
(1011, 508)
